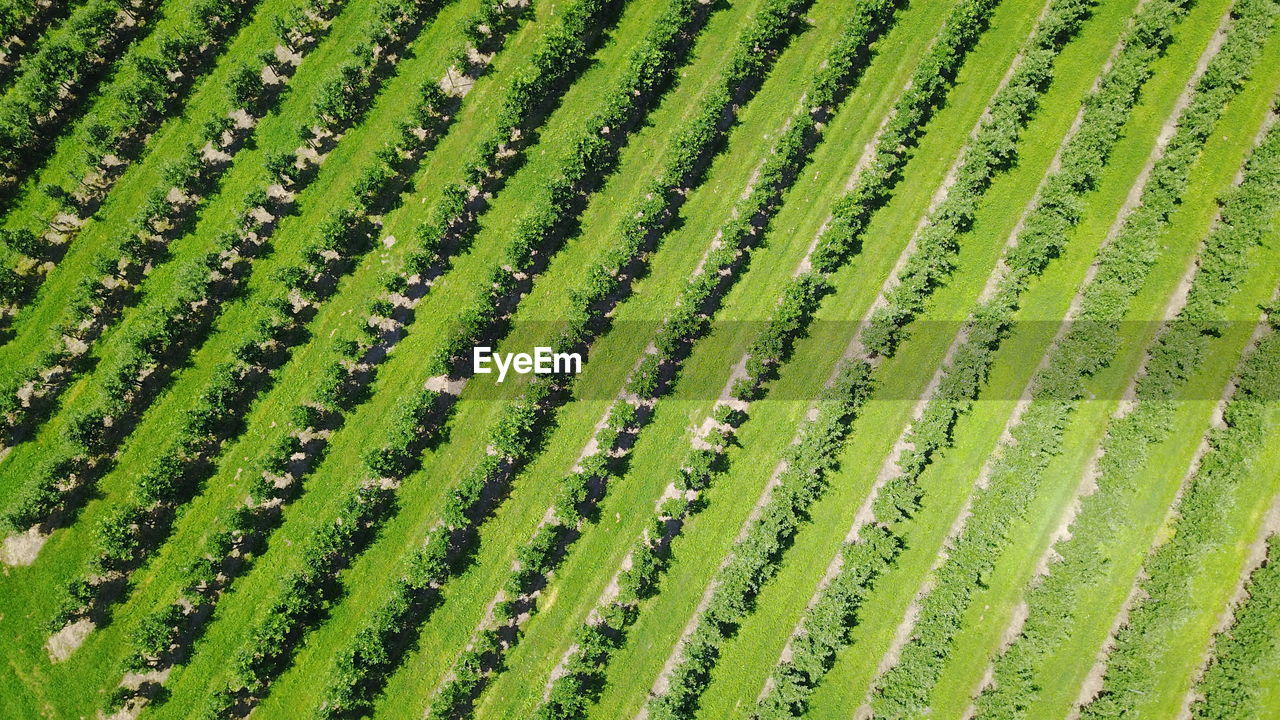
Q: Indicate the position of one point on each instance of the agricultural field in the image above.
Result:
(646, 359)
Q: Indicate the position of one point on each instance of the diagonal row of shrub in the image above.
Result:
(1092, 341)
(1232, 685)
(757, 555)
(584, 487)
(450, 222)
(169, 210)
(147, 90)
(1167, 594)
(133, 529)
(823, 632)
(572, 692)
(1166, 600)
(1178, 352)
(164, 333)
(23, 23)
(360, 668)
(58, 75)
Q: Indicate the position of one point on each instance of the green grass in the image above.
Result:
(32, 687)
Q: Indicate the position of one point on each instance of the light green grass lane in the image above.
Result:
(587, 571)
(329, 483)
(698, 551)
(759, 642)
(948, 481)
(992, 609)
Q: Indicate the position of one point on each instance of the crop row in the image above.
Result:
(1133, 661)
(584, 487)
(168, 211)
(583, 669)
(55, 76)
(758, 554)
(1121, 269)
(669, 40)
(991, 150)
(150, 87)
(1229, 689)
(1177, 353)
(653, 216)
(169, 330)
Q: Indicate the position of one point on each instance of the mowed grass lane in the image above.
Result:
(423, 494)
(948, 481)
(993, 608)
(274, 132)
(342, 464)
(597, 554)
(750, 656)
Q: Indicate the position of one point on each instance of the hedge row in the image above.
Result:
(96, 301)
(150, 89)
(355, 682)
(1231, 685)
(173, 327)
(1122, 268)
(1178, 352)
(58, 73)
(581, 490)
(894, 146)
(1167, 602)
(445, 222)
(824, 630)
